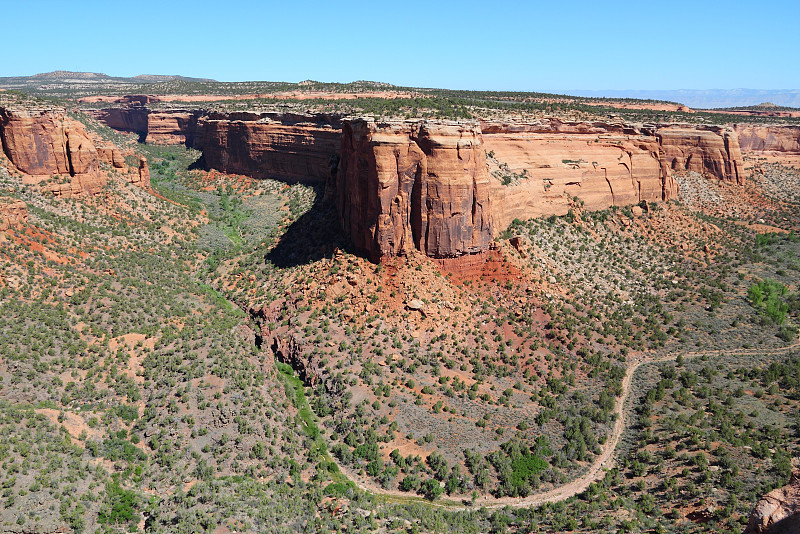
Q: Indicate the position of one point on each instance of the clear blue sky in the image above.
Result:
(465, 44)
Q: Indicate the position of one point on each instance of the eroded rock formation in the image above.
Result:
(111, 155)
(414, 185)
(47, 145)
(13, 213)
(55, 152)
(170, 127)
(143, 174)
(47, 142)
(426, 185)
(778, 512)
(288, 146)
(709, 150)
(759, 138)
(539, 168)
(133, 119)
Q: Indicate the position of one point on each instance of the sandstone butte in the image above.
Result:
(447, 188)
(778, 512)
(13, 213)
(47, 143)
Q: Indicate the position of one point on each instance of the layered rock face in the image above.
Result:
(290, 147)
(757, 138)
(13, 213)
(126, 119)
(111, 155)
(155, 127)
(56, 153)
(47, 142)
(711, 150)
(426, 185)
(172, 128)
(778, 512)
(414, 185)
(540, 167)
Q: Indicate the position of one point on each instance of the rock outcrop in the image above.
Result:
(708, 150)
(414, 185)
(778, 512)
(426, 185)
(143, 174)
(170, 127)
(13, 213)
(111, 155)
(268, 145)
(757, 138)
(133, 119)
(47, 143)
(539, 169)
(55, 152)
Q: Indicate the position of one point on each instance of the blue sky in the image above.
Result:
(462, 44)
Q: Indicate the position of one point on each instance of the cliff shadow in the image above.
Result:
(316, 234)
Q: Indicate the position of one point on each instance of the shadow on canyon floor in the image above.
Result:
(313, 236)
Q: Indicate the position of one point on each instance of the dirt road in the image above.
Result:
(605, 460)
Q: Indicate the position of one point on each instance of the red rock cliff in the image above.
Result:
(539, 167)
(414, 185)
(284, 146)
(46, 143)
(170, 127)
(760, 138)
(125, 119)
(709, 150)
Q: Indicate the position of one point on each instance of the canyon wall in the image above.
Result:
(541, 167)
(47, 142)
(429, 185)
(286, 146)
(44, 143)
(414, 185)
(57, 154)
(155, 127)
(758, 138)
(294, 147)
(707, 150)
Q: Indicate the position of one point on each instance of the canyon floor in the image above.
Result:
(210, 353)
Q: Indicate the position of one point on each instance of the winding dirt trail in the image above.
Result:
(605, 460)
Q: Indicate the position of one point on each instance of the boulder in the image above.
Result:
(778, 512)
(13, 213)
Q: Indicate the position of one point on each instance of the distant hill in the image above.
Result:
(704, 98)
(84, 79)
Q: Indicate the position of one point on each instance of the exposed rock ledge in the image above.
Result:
(778, 512)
